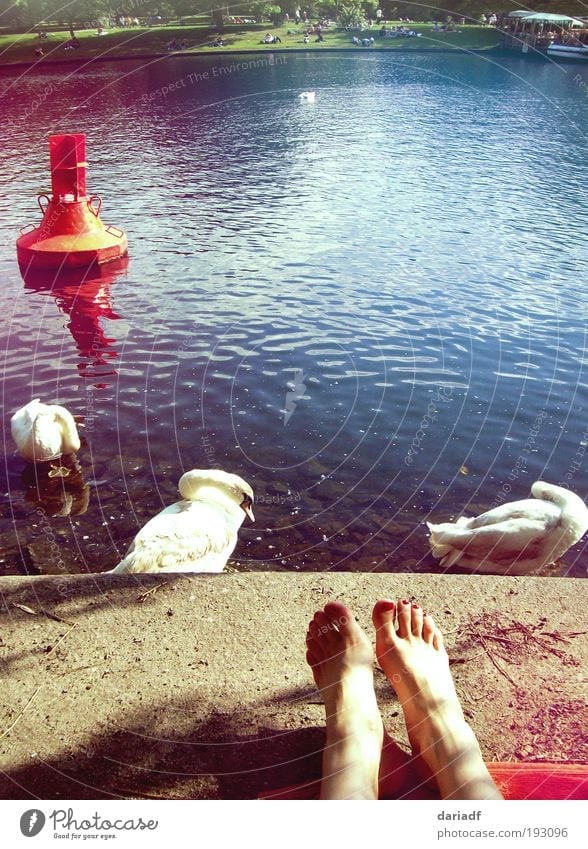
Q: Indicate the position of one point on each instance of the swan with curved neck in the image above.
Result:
(44, 432)
(514, 538)
(197, 534)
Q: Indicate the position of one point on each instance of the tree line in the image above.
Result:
(28, 14)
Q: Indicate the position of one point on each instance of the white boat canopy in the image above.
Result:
(547, 17)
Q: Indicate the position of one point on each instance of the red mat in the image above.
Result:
(541, 780)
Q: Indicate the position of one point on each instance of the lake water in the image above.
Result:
(371, 307)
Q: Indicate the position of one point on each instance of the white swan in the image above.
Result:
(307, 95)
(44, 432)
(515, 538)
(197, 534)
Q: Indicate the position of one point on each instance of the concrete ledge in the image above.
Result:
(196, 686)
(221, 51)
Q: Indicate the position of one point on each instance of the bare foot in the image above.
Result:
(410, 650)
(341, 658)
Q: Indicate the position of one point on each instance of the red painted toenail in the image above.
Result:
(415, 606)
(405, 601)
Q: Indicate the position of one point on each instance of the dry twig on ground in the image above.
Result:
(513, 642)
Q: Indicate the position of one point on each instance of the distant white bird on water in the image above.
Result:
(515, 538)
(44, 432)
(309, 96)
(197, 534)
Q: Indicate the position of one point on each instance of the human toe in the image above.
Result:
(404, 618)
(339, 615)
(325, 634)
(315, 639)
(311, 657)
(416, 620)
(321, 622)
(384, 617)
(342, 623)
(429, 628)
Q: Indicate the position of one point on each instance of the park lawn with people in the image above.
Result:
(136, 42)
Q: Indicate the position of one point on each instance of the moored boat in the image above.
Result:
(568, 51)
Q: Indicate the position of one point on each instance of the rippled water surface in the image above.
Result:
(372, 306)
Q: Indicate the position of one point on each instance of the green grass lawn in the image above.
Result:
(136, 42)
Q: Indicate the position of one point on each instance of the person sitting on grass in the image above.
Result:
(360, 760)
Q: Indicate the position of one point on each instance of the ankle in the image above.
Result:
(435, 709)
(444, 743)
(348, 725)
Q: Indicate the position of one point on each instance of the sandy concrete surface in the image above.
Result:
(196, 686)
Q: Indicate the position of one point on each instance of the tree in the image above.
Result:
(218, 19)
(351, 12)
(21, 13)
(274, 13)
(74, 12)
(259, 10)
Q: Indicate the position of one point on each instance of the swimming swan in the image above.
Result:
(307, 95)
(44, 432)
(515, 538)
(197, 534)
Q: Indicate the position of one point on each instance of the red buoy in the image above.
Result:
(71, 234)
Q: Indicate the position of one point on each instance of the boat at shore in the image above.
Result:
(553, 35)
(568, 51)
